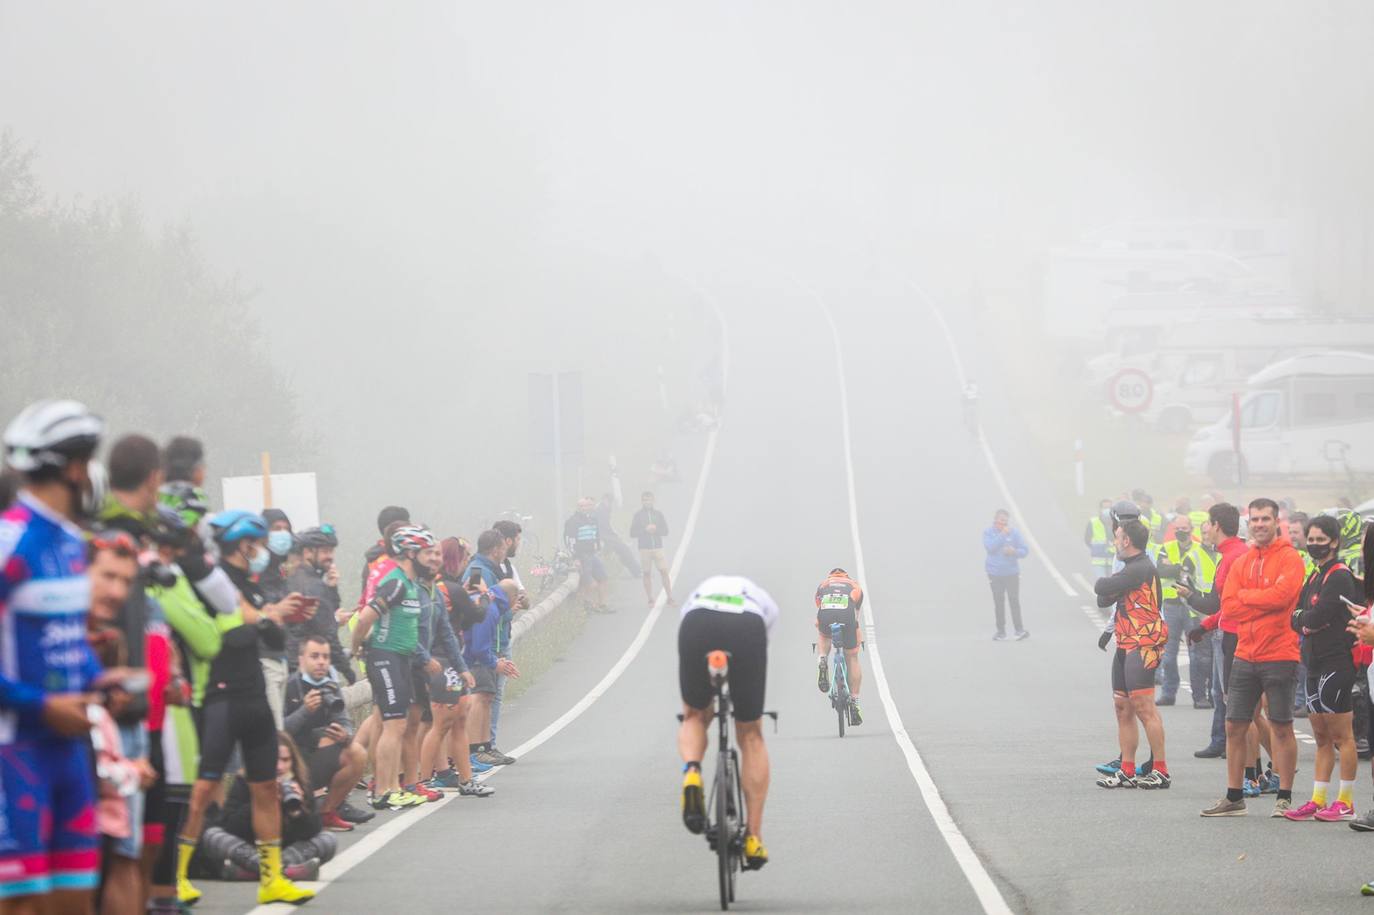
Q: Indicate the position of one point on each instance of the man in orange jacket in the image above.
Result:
(1260, 593)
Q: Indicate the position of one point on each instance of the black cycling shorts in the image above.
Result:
(745, 637)
(849, 618)
(486, 678)
(1331, 691)
(1129, 673)
(392, 681)
(325, 763)
(243, 722)
(419, 687)
(447, 687)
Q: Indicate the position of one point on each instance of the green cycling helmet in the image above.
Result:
(186, 499)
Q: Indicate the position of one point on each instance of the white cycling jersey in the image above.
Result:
(733, 594)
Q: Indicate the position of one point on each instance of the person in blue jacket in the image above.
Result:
(1005, 549)
(482, 652)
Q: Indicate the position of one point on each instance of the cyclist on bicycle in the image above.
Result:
(971, 405)
(839, 599)
(732, 614)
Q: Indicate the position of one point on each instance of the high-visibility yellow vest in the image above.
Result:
(1156, 523)
(1102, 545)
(1199, 518)
(1196, 560)
(1353, 557)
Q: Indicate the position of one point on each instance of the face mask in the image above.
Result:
(258, 564)
(1183, 539)
(1319, 551)
(279, 542)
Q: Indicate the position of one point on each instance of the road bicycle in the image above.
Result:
(725, 806)
(725, 820)
(840, 699)
(550, 573)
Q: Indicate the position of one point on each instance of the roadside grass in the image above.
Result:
(545, 645)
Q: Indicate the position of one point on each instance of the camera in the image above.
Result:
(292, 797)
(331, 698)
(156, 573)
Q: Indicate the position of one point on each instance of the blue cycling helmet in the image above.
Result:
(236, 524)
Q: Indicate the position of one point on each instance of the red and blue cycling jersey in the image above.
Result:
(48, 835)
(44, 598)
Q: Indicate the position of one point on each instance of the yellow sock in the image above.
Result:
(185, 849)
(1347, 795)
(1319, 793)
(269, 853)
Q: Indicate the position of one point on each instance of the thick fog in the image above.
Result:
(418, 204)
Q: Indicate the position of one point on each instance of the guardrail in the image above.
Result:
(528, 619)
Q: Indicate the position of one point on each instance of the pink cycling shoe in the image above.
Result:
(1307, 811)
(1335, 813)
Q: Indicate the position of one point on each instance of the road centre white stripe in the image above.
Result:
(982, 883)
(370, 844)
(992, 461)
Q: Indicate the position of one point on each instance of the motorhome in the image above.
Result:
(1198, 366)
(1304, 416)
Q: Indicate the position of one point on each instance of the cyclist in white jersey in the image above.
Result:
(726, 613)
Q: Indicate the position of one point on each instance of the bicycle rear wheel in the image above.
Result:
(724, 830)
(736, 847)
(841, 700)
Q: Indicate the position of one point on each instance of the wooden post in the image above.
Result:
(266, 479)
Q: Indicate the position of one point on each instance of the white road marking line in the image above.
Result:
(1083, 583)
(370, 844)
(992, 461)
(982, 883)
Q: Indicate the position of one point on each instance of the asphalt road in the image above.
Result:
(587, 821)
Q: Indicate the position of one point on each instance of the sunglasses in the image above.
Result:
(115, 541)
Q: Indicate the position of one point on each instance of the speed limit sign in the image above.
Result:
(1130, 390)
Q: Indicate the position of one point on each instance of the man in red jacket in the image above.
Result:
(1260, 593)
(1218, 635)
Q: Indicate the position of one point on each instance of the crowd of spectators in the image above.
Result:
(214, 701)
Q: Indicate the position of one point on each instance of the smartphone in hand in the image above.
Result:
(1357, 609)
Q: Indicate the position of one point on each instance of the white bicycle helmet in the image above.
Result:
(50, 433)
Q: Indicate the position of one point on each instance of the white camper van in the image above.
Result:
(1308, 415)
